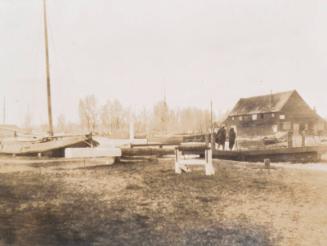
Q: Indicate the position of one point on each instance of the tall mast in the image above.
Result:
(50, 125)
(4, 110)
(211, 117)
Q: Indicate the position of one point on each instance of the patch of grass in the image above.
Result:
(156, 207)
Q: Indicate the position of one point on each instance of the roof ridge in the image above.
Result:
(266, 95)
(263, 103)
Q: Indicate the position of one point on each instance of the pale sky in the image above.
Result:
(135, 50)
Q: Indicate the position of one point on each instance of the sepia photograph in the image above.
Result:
(163, 122)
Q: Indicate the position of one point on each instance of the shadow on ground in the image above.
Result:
(36, 209)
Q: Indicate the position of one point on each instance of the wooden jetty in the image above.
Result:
(294, 154)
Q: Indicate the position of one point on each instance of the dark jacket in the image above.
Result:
(221, 136)
(232, 135)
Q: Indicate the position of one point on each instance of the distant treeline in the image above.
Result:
(113, 119)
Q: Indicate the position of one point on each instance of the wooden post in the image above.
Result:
(267, 163)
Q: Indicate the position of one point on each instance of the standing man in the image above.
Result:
(221, 137)
(232, 138)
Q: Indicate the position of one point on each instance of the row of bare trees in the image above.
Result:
(113, 119)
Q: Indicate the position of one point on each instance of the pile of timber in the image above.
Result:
(147, 151)
(158, 150)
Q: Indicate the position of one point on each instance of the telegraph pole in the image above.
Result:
(50, 125)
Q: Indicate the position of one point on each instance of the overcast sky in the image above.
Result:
(135, 50)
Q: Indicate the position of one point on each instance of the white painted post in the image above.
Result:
(209, 170)
(178, 170)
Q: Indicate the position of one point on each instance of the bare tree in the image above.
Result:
(88, 112)
(142, 122)
(105, 118)
(113, 117)
(161, 117)
(119, 115)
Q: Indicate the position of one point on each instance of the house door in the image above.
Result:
(275, 128)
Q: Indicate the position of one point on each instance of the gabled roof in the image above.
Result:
(262, 104)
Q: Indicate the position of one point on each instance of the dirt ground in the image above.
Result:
(146, 203)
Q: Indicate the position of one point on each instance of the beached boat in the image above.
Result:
(47, 146)
(50, 145)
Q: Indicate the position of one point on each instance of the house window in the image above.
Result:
(282, 117)
(233, 118)
(254, 117)
(261, 116)
(273, 115)
(240, 118)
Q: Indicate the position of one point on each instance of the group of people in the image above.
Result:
(221, 136)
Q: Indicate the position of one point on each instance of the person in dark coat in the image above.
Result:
(221, 137)
(232, 138)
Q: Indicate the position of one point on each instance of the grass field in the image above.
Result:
(147, 204)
